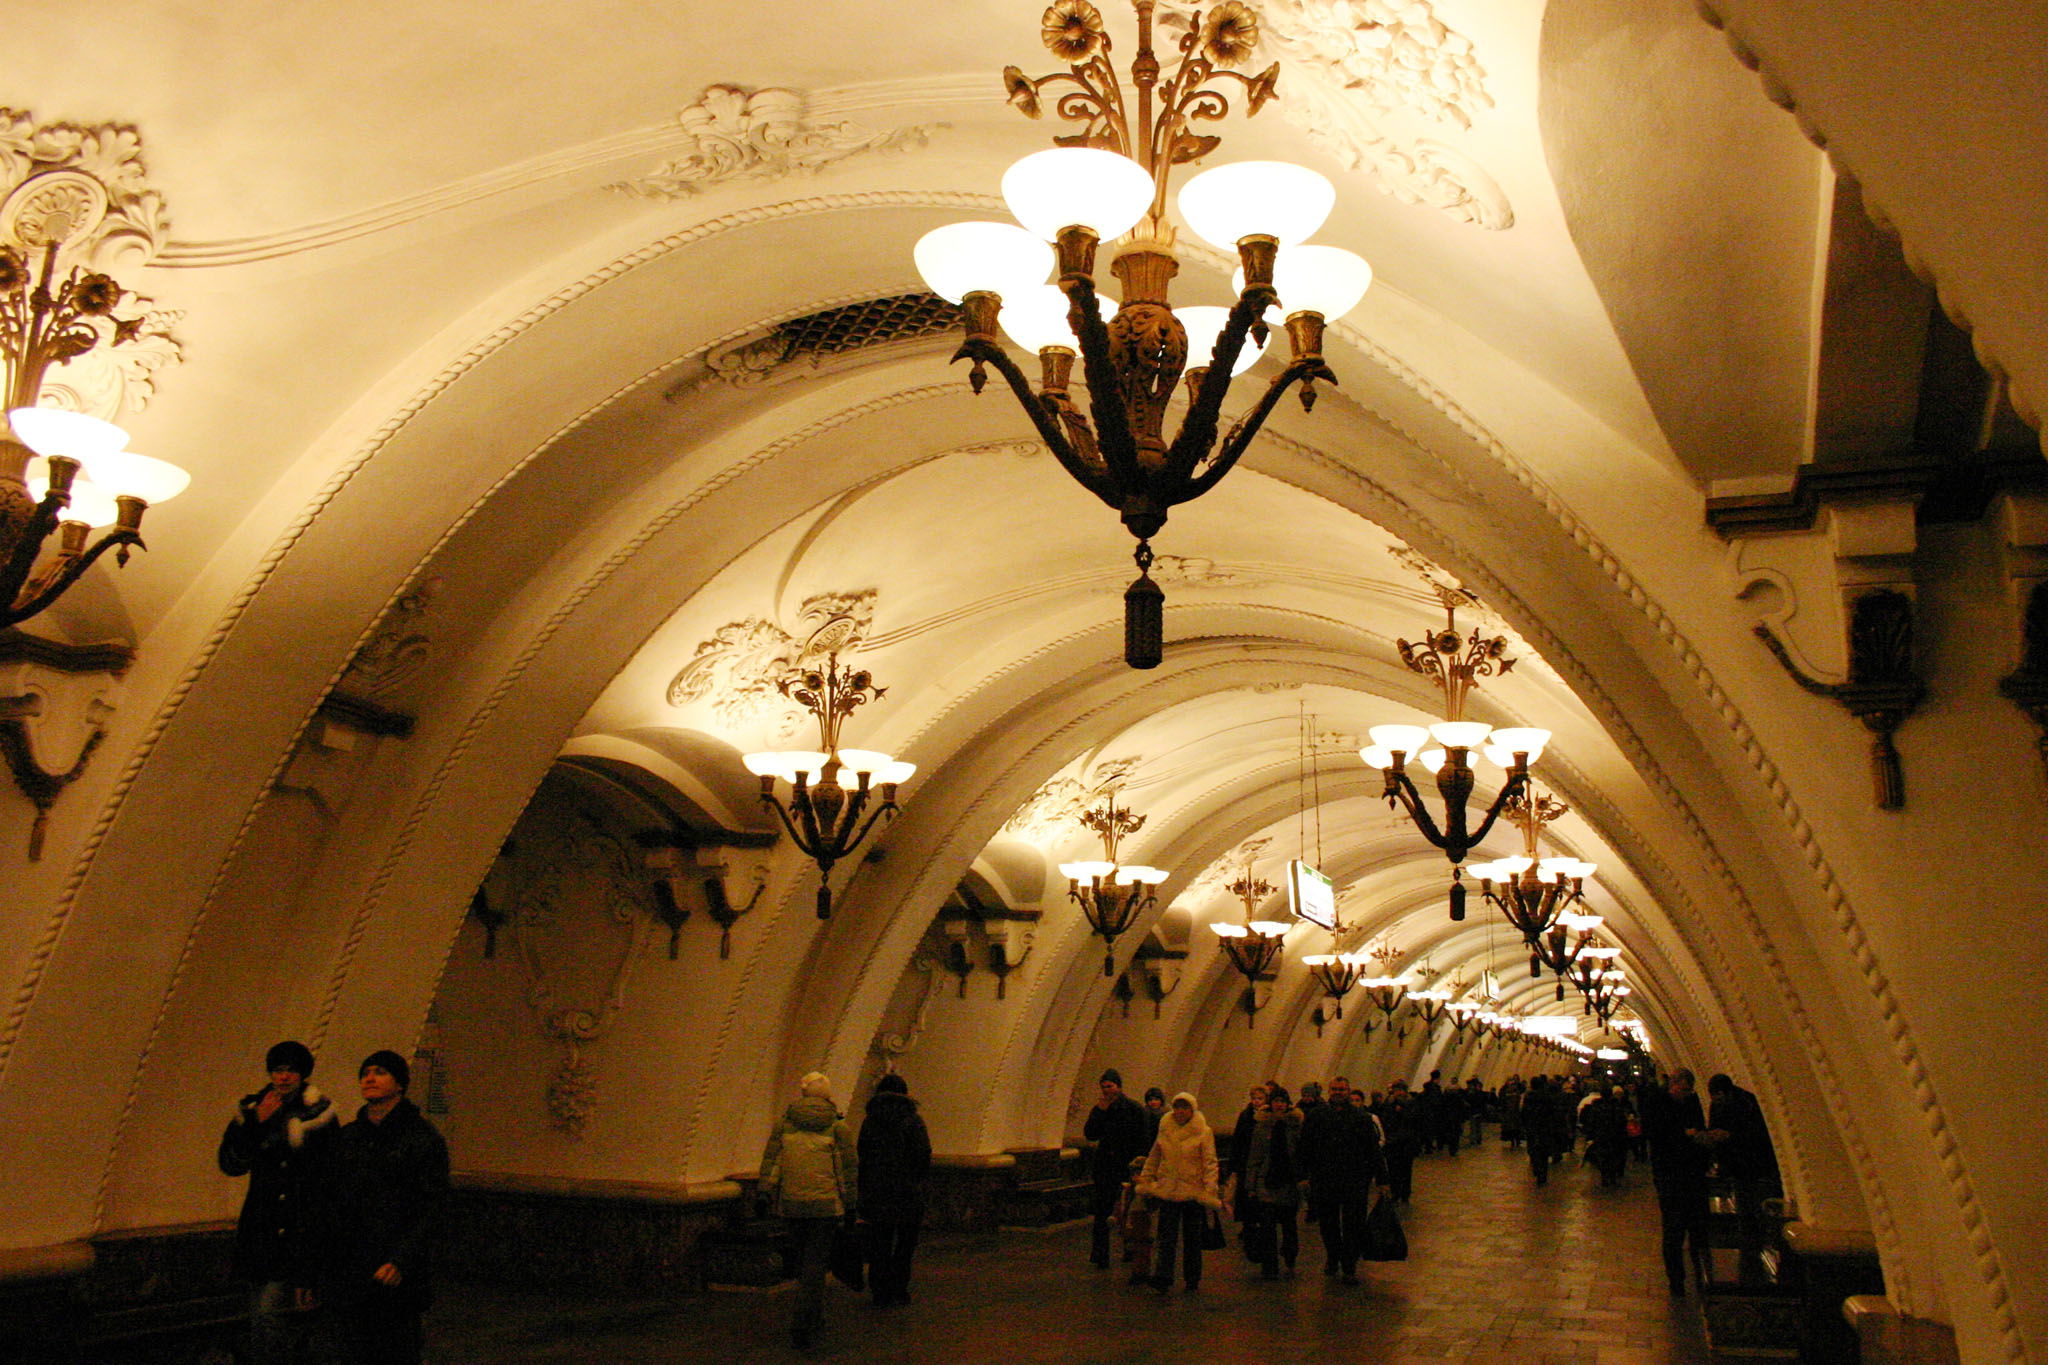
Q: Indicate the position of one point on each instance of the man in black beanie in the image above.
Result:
(1117, 1127)
(390, 1175)
(278, 1138)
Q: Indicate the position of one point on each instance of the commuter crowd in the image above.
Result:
(336, 1225)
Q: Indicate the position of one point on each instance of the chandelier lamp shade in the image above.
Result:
(1254, 946)
(1533, 891)
(832, 804)
(1455, 663)
(1430, 1005)
(63, 473)
(1108, 183)
(1110, 894)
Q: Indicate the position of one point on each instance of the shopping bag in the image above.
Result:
(845, 1261)
(1382, 1238)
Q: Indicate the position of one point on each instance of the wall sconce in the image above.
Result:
(679, 858)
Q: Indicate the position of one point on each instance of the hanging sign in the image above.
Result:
(1310, 895)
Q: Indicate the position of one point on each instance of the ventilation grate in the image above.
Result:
(873, 322)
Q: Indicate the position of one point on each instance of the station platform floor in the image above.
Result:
(1500, 1272)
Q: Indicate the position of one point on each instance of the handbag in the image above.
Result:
(845, 1261)
(1212, 1231)
(1382, 1239)
(1259, 1238)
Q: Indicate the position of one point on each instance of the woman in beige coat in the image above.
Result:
(1180, 1179)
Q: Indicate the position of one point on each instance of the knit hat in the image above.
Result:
(1110, 1077)
(1155, 1093)
(399, 1069)
(817, 1085)
(892, 1084)
(289, 1056)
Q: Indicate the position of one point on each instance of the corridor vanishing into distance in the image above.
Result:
(1498, 1271)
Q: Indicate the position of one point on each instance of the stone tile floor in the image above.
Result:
(1499, 1273)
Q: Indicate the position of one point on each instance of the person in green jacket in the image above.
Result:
(808, 1175)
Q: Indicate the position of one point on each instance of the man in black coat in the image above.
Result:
(1547, 1120)
(1117, 1127)
(1743, 1155)
(278, 1138)
(388, 1179)
(1673, 1123)
(1341, 1158)
(895, 1152)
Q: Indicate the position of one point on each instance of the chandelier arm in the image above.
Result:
(1516, 781)
(807, 846)
(878, 813)
(1248, 426)
(1198, 429)
(56, 587)
(21, 558)
(1035, 408)
(1411, 801)
(1105, 390)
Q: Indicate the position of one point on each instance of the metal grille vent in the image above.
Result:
(900, 317)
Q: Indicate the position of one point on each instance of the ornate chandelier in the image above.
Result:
(830, 787)
(1254, 946)
(1112, 896)
(1455, 663)
(1105, 181)
(62, 471)
(1531, 891)
(1337, 973)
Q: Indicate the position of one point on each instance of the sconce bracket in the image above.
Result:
(55, 700)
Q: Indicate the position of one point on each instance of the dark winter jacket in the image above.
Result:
(283, 1156)
(1340, 1153)
(384, 1192)
(1677, 1160)
(895, 1157)
(1397, 1123)
(1271, 1168)
(1747, 1152)
(1119, 1134)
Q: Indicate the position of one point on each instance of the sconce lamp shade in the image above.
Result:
(1204, 324)
(56, 431)
(786, 764)
(1406, 739)
(1460, 734)
(1036, 318)
(1317, 279)
(1150, 876)
(138, 476)
(1103, 191)
(1526, 740)
(1086, 871)
(1252, 198)
(1002, 258)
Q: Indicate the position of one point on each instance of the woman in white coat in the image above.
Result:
(1180, 1179)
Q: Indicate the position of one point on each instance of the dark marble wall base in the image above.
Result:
(1827, 1266)
(565, 1234)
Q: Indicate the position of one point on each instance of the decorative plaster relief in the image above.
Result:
(760, 136)
(84, 189)
(739, 666)
(398, 647)
(1056, 807)
(1211, 880)
(1348, 65)
(891, 1046)
(568, 870)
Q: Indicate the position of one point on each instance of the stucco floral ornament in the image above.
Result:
(1073, 30)
(767, 134)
